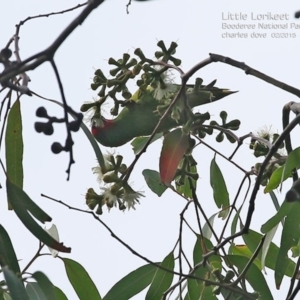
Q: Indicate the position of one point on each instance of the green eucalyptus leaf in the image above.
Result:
(175, 145)
(132, 284)
(285, 171)
(185, 189)
(59, 294)
(14, 285)
(25, 208)
(81, 280)
(202, 246)
(139, 142)
(206, 230)
(153, 181)
(220, 192)
(7, 253)
(253, 275)
(244, 251)
(269, 253)
(45, 284)
(162, 280)
(283, 211)
(35, 292)
(14, 145)
(289, 238)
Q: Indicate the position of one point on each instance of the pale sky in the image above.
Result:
(196, 26)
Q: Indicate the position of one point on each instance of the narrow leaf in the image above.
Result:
(283, 211)
(14, 145)
(81, 280)
(266, 256)
(153, 181)
(207, 229)
(185, 188)
(6, 296)
(35, 292)
(244, 251)
(276, 203)
(235, 220)
(253, 276)
(289, 238)
(7, 253)
(266, 245)
(22, 205)
(162, 280)
(45, 284)
(202, 246)
(132, 284)
(14, 284)
(174, 146)
(285, 171)
(59, 294)
(139, 142)
(194, 288)
(218, 185)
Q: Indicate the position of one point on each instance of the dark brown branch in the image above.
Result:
(250, 71)
(46, 55)
(291, 293)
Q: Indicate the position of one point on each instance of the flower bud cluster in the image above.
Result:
(116, 191)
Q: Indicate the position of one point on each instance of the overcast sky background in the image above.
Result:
(151, 229)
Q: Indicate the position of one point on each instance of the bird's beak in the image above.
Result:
(97, 122)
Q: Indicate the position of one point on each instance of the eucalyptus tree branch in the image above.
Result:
(291, 295)
(134, 252)
(235, 200)
(69, 141)
(16, 36)
(112, 233)
(37, 59)
(264, 164)
(250, 71)
(294, 107)
(19, 67)
(222, 155)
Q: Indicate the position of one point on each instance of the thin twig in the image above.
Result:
(293, 279)
(38, 253)
(250, 262)
(69, 141)
(263, 166)
(39, 58)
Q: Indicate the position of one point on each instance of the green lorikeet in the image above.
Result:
(142, 112)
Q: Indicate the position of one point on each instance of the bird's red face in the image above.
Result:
(100, 125)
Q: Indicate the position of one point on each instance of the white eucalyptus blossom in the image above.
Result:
(109, 199)
(108, 166)
(167, 89)
(265, 132)
(131, 199)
